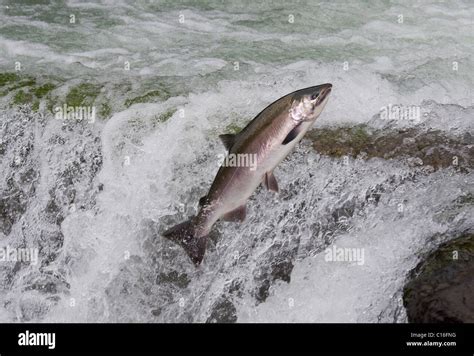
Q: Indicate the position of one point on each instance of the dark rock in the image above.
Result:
(441, 288)
(12, 206)
(223, 311)
(235, 287)
(180, 280)
(156, 312)
(373, 194)
(53, 211)
(51, 243)
(345, 211)
(277, 264)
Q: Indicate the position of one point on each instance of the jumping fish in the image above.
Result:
(255, 152)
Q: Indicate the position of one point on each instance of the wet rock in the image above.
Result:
(30, 309)
(277, 264)
(235, 287)
(338, 220)
(468, 139)
(448, 214)
(345, 211)
(47, 282)
(373, 194)
(223, 311)
(156, 312)
(342, 141)
(418, 146)
(181, 280)
(441, 287)
(18, 163)
(158, 95)
(12, 205)
(53, 211)
(50, 244)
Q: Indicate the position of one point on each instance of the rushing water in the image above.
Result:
(92, 196)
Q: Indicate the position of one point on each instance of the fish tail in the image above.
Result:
(184, 234)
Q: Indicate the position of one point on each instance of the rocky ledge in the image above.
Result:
(441, 287)
(430, 148)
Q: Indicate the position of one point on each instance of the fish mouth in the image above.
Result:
(323, 92)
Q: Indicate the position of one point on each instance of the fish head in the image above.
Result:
(308, 103)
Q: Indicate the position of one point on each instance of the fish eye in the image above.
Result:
(314, 96)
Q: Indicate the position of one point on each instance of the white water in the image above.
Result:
(153, 173)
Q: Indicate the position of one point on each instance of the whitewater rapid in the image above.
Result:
(94, 197)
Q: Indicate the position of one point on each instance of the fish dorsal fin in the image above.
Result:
(270, 182)
(236, 214)
(293, 134)
(228, 140)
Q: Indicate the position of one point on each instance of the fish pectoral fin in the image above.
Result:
(292, 134)
(228, 140)
(236, 214)
(270, 182)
